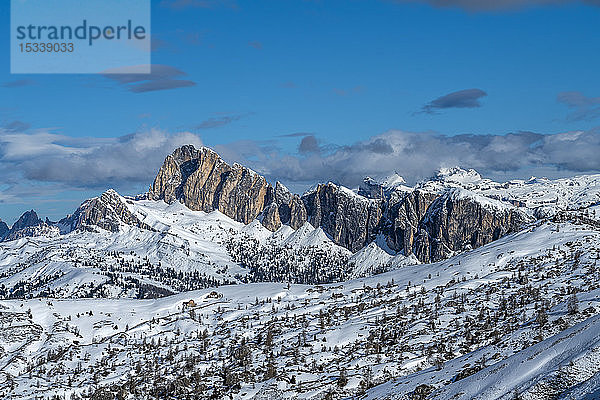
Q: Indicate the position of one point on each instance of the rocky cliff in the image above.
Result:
(405, 213)
(29, 218)
(108, 212)
(462, 220)
(290, 207)
(201, 180)
(351, 220)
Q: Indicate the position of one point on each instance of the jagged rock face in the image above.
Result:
(455, 222)
(351, 220)
(371, 189)
(291, 207)
(405, 217)
(29, 218)
(28, 225)
(201, 180)
(3, 229)
(271, 218)
(412, 221)
(107, 212)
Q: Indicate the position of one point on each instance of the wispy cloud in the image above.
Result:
(582, 107)
(467, 98)
(347, 92)
(220, 120)
(161, 77)
(289, 85)
(309, 145)
(417, 155)
(157, 43)
(46, 157)
(16, 126)
(296, 134)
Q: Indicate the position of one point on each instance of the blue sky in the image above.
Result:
(334, 76)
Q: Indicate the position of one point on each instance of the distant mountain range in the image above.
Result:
(218, 284)
(453, 211)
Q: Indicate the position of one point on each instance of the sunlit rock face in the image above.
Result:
(201, 180)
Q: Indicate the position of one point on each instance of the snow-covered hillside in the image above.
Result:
(432, 324)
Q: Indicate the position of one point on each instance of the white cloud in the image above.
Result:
(419, 155)
(86, 162)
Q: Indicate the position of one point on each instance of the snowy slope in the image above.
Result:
(562, 366)
(397, 324)
(563, 194)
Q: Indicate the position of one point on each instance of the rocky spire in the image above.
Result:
(29, 218)
(28, 225)
(201, 180)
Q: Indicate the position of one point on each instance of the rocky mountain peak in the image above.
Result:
(407, 218)
(457, 175)
(29, 218)
(109, 212)
(380, 187)
(350, 219)
(462, 220)
(200, 179)
(28, 225)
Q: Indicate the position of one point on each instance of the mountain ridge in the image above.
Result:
(422, 220)
(201, 180)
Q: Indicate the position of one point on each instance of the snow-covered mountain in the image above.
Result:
(216, 284)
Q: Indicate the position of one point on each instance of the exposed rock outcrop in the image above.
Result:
(351, 220)
(201, 180)
(108, 212)
(29, 225)
(3, 230)
(290, 206)
(29, 218)
(405, 217)
(380, 188)
(371, 189)
(271, 218)
(461, 220)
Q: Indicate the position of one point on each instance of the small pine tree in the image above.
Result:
(572, 304)
(343, 380)
(542, 317)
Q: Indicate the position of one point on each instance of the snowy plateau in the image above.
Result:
(158, 296)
